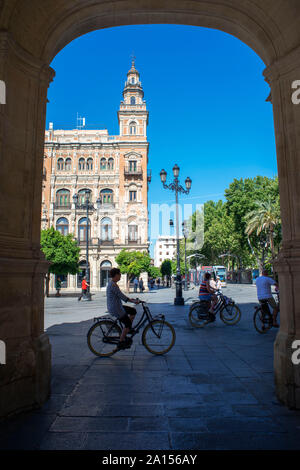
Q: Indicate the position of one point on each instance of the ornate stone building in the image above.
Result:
(114, 168)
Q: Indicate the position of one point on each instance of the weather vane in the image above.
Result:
(133, 58)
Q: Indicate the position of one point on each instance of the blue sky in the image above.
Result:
(204, 91)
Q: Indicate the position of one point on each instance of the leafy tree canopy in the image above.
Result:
(62, 251)
(133, 262)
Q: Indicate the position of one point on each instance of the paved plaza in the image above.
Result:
(213, 390)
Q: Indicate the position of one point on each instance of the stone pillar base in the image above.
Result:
(287, 375)
(26, 376)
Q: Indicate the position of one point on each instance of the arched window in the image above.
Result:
(132, 80)
(60, 164)
(106, 229)
(106, 196)
(68, 164)
(132, 193)
(103, 164)
(82, 196)
(84, 228)
(62, 225)
(110, 164)
(89, 164)
(63, 198)
(105, 267)
(81, 164)
(132, 100)
(132, 128)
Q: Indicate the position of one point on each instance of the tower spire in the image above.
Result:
(133, 61)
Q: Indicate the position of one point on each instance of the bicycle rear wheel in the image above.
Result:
(262, 321)
(198, 317)
(99, 334)
(158, 337)
(230, 314)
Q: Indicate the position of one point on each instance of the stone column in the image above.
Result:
(281, 76)
(25, 379)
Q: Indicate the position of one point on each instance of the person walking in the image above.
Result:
(135, 284)
(141, 284)
(84, 287)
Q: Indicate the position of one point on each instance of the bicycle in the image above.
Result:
(263, 318)
(199, 314)
(158, 336)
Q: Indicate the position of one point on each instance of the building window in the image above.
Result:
(62, 226)
(81, 164)
(68, 164)
(132, 196)
(103, 164)
(106, 229)
(89, 164)
(106, 196)
(82, 196)
(132, 166)
(63, 198)
(133, 80)
(132, 128)
(110, 164)
(132, 232)
(132, 100)
(84, 228)
(60, 164)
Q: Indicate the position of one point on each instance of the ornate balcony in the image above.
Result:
(106, 242)
(133, 241)
(133, 172)
(62, 207)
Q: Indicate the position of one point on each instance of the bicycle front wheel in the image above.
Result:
(262, 321)
(230, 314)
(158, 337)
(100, 334)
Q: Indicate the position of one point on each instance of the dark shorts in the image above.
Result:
(125, 319)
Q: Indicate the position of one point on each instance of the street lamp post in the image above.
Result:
(175, 186)
(88, 206)
(185, 232)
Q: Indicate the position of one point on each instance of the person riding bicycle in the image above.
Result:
(115, 307)
(264, 293)
(207, 292)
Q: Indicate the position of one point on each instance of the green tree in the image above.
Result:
(166, 269)
(154, 272)
(62, 251)
(133, 263)
(262, 223)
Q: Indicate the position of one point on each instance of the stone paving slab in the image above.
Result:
(213, 390)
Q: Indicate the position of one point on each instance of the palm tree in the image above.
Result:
(265, 217)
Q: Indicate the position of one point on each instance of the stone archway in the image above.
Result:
(31, 34)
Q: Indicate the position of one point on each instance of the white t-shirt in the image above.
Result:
(263, 285)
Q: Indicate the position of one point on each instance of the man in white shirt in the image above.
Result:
(264, 292)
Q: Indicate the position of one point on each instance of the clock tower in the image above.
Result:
(133, 115)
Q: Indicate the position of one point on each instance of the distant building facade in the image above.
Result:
(165, 248)
(115, 169)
